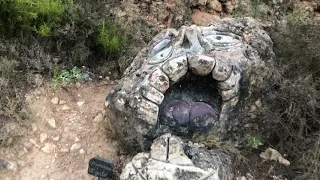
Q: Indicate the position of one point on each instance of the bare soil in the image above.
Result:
(79, 134)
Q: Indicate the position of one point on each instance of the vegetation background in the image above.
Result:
(55, 38)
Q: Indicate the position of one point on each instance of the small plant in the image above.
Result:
(67, 76)
(255, 8)
(39, 16)
(111, 37)
(254, 142)
(210, 140)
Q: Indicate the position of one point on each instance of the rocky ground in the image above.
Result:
(67, 130)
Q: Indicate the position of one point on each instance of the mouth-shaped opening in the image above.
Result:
(191, 105)
(185, 82)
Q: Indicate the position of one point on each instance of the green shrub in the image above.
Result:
(253, 8)
(254, 142)
(111, 37)
(67, 76)
(40, 16)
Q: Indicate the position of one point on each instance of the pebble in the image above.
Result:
(98, 118)
(65, 108)
(215, 5)
(258, 103)
(76, 139)
(62, 102)
(43, 137)
(28, 145)
(78, 85)
(56, 138)
(21, 163)
(80, 103)
(64, 149)
(33, 141)
(49, 148)
(55, 100)
(47, 167)
(81, 151)
(52, 122)
(34, 127)
(53, 160)
(75, 146)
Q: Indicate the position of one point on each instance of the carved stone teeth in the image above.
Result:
(200, 64)
(228, 94)
(230, 82)
(152, 94)
(147, 111)
(159, 80)
(176, 68)
(221, 71)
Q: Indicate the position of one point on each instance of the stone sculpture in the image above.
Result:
(172, 159)
(233, 53)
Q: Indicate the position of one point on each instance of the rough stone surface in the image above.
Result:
(173, 159)
(215, 5)
(203, 19)
(236, 53)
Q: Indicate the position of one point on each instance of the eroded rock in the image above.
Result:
(173, 159)
(230, 51)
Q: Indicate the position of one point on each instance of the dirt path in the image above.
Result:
(68, 129)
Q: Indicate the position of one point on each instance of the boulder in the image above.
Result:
(170, 158)
(235, 53)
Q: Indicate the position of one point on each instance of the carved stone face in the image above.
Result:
(227, 53)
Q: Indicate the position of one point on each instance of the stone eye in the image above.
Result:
(162, 55)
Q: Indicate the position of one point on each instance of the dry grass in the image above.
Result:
(289, 119)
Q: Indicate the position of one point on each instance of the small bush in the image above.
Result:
(11, 101)
(253, 8)
(67, 76)
(111, 37)
(289, 119)
(32, 15)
